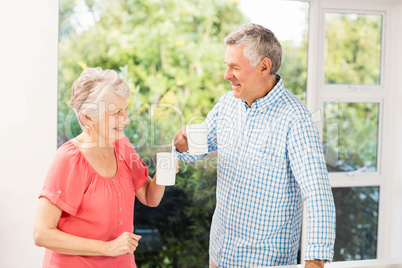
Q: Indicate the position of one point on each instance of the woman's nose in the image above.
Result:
(125, 119)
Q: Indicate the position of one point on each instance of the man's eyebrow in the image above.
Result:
(231, 64)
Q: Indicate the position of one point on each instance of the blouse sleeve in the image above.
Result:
(137, 167)
(66, 180)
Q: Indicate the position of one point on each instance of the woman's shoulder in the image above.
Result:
(70, 164)
(68, 152)
(68, 148)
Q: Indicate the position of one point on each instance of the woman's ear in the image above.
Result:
(87, 120)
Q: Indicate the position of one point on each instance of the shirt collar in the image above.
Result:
(271, 97)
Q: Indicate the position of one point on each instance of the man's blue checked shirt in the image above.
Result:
(269, 160)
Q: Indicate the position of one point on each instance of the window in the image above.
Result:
(350, 136)
(352, 48)
(350, 92)
(357, 223)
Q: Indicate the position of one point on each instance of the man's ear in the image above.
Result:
(265, 65)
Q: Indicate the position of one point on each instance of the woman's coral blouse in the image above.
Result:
(93, 206)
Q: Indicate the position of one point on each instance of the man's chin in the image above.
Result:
(236, 94)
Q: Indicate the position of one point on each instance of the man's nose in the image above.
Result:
(228, 75)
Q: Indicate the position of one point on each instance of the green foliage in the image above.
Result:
(183, 219)
(357, 222)
(294, 63)
(351, 136)
(353, 49)
(171, 55)
(294, 68)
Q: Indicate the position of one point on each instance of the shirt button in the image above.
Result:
(120, 208)
(114, 180)
(59, 192)
(119, 193)
(121, 222)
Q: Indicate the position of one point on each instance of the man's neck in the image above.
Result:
(271, 83)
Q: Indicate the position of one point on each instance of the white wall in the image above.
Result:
(395, 212)
(28, 109)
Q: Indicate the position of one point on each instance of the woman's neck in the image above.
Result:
(87, 140)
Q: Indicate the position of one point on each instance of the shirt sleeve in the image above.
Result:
(137, 167)
(66, 180)
(309, 167)
(210, 123)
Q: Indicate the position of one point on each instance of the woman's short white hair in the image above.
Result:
(93, 86)
(259, 43)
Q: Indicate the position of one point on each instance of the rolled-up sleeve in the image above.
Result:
(66, 180)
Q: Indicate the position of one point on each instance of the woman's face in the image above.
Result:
(112, 121)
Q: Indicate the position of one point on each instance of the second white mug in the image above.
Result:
(197, 139)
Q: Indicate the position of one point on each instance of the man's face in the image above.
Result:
(245, 80)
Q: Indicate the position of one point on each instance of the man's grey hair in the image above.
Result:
(259, 43)
(93, 86)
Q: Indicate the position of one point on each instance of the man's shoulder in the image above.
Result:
(295, 106)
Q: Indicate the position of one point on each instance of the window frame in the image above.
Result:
(318, 93)
(357, 178)
(351, 88)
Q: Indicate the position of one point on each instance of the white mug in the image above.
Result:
(197, 139)
(166, 168)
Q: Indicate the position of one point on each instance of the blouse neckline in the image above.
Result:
(92, 168)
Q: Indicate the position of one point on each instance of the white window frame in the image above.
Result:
(319, 93)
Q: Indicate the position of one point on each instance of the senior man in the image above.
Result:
(269, 160)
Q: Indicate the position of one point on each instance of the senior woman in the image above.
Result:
(86, 206)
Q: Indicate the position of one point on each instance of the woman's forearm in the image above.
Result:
(154, 193)
(64, 243)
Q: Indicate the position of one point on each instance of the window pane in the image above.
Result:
(351, 136)
(356, 223)
(352, 49)
(292, 34)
